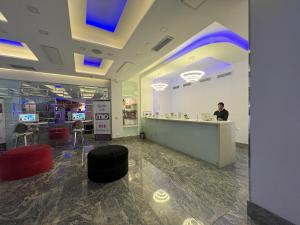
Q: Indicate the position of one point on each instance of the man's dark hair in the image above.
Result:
(221, 103)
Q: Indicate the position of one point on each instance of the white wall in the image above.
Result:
(116, 101)
(204, 97)
(146, 95)
(275, 109)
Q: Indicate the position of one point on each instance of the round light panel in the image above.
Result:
(159, 86)
(192, 76)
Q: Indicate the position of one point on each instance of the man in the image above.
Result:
(222, 114)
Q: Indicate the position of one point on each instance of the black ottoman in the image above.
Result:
(107, 163)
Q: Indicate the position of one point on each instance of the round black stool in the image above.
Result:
(107, 163)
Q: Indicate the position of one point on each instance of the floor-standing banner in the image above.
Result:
(2, 125)
(102, 120)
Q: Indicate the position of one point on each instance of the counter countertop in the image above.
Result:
(190, 120)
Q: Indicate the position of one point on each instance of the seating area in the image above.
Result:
(23, 162)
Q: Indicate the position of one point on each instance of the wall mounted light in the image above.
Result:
(192, 76)
(159, 86)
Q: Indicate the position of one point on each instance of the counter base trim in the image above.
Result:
(264, 216)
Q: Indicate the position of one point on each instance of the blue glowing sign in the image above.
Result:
(10, 42)
(92, 61)
(104, 14)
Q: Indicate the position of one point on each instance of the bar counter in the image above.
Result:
(211, 141)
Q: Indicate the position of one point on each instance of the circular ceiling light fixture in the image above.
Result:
(161, 196)
(159, 86)
(192, 76)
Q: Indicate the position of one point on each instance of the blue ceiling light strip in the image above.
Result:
(10, 42)
(104, 14)
(92, 61)
(224, 36)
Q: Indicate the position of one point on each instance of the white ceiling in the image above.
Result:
(165, 17)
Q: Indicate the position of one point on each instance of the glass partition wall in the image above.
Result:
(54, 105)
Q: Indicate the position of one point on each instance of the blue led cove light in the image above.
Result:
(104, 14)
(10, 42)
(92, 61)
(224, 36)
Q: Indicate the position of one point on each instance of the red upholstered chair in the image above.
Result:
(25, 161)
(59, 133)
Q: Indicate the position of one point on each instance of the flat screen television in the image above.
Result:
(78, 116)
(28, 118)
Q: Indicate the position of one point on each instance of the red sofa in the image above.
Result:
(25, 161)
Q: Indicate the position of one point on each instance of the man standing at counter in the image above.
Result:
(222, 114)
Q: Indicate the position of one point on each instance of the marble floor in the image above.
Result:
(162, 187)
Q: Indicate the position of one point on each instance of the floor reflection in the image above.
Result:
(161, 187)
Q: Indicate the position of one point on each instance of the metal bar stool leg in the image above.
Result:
(25, 140)
(75, 138)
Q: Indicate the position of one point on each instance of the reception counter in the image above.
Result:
(211, 141)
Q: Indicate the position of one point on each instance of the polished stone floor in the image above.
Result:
(163, 187)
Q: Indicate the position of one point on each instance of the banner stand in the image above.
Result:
(2, 126)
(102, 120)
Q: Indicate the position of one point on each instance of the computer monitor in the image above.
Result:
(78, 116)
(28, 118)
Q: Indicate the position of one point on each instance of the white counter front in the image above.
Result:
(211, 141)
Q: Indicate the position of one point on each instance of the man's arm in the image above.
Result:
(226, 115)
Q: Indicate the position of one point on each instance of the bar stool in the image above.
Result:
(78, 130)
(21, 131)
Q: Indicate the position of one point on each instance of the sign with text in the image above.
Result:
(102, 120)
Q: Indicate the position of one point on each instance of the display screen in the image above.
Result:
(28, 117)
(78, 116)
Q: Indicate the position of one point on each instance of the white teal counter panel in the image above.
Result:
(209, 141)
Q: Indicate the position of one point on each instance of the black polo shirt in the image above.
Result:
(222, 114)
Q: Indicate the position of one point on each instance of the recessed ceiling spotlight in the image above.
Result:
(97, 51)
(32, 9)
(159, 86)
(192, 76)
(163, 29)
(43, 32)
(2, 18)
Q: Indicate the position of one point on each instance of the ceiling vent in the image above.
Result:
(187, 84)
(163, 42)
(176, 87)
(52, 54)
(193, 4)
(124, 67)
(43, 32)
(97, 51)
(20, 67)
(224, 75)
(205, 79)
(32, 9)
